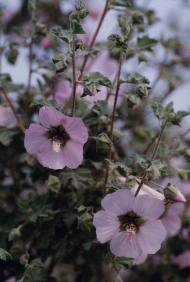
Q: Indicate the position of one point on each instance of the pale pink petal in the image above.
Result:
(172, 224)
(150, 236)
(12, 279)
(124, 245)
(72, 153)
(183, 260)
(50, 117)
(49, 158)
(118, 202)
(148, 207)
(76, 129)
(63, 91)
(141, 259)
(107, 225)
(147, 190)
(35, 137)
(7, 118)
(179, 197)
(176, 209)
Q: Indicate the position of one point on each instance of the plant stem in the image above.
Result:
(9, 102)
(113, 118)
(152, 158)
(74, 77)
(30, 67)
(94, 38)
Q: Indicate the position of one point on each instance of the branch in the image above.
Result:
(113, 117)
(9, 102)
(74, 77)
(30, 67)
(152, 158)
(94, 38)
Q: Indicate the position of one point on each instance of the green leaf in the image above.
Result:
(35, 271)
(61, 61)
(53, 183)
(62, 34)
(142, 91)
(118, 43)
(157, 109)
(122, 3)
(4, 255)
(6, 136)
(133, 100)
(146, 43)
(98, 78)
(123, 262)
(5, 78)
(125, 27)
(76, 17)
(179, 117)
(102, 140)
(137, 17)
(92, 81)
(137, 78)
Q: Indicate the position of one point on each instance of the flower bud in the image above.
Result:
(172, 193)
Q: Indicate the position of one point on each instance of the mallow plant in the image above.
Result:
(93, 164)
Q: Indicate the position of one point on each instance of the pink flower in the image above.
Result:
(63, 91)
(7, 118)
(171, 219)
(130, 224)
(12, 279)
(45, 43)
(182, 260)
(141, 259)
(172, 193)
(58, 141)
(147, 190)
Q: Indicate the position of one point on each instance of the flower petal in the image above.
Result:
(118, 202)
(150, 236)
(50, 117)
(172, 224)
(49, 158)
(76, 129)
(34, 138)
(107, 225)
(72, 153)
(7, 118)
(141, 259)
(125, 245)
(148, 207)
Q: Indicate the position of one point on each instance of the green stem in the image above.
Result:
(94, 38)
(152, 158)
(113, 118)
(10, 104)
(74, 77)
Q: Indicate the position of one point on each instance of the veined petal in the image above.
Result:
(76, 129)
(50, 117)
(148, 207)
(118, 202)
(125, 245)
(72, 153)
(150, 236)
(35, 137)
(49, 158)
(107, 225)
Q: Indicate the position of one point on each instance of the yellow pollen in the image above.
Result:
(56, 144)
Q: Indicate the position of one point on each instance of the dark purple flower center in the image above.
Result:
(130, 222)
(58, 137)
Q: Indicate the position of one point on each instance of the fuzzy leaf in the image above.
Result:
(146, 43)
(4, 255)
